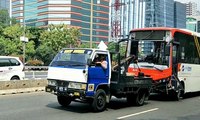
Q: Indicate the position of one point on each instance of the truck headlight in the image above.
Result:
(52, 82)
(77, 85)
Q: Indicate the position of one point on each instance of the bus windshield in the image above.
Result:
(150, 46)
(71, 58)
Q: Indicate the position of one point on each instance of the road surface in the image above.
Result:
(44, 106)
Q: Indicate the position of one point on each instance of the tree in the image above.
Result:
(60, 36)
(4, 17)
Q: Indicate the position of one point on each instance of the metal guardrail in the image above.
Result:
(35, 74)
(36, 67)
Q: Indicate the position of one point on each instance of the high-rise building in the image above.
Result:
(6, 4)
(148, 13)
(91, 16)
(191, 8)
(179, 15)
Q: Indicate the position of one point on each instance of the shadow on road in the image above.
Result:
(73, 107)
(77, 107)
(164, 97)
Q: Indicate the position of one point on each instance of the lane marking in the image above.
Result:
(146, 111)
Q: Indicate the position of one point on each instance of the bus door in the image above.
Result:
(175, 58)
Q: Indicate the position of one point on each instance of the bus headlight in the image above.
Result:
(52, 82)
(77, 85)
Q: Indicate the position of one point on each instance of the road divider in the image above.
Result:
(21, 86)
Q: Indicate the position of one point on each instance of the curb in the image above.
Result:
(21, 90)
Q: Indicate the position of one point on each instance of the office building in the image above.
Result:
(91, 16)
(193, 23)
(6, 4)
(191, 8)
(132, 14)
(179, 15)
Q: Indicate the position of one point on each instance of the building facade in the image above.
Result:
(91, 16)
(179, 15)
(6, 4)
(147, 13)
(193, 23)
(191, 8)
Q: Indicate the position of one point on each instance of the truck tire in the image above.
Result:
(99, 101)
(139, 99)
(64, 101)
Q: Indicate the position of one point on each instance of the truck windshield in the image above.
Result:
(71, 58)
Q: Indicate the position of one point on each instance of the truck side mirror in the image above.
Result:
(89, 61)
(167, 50)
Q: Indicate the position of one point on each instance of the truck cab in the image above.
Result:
(71, 78)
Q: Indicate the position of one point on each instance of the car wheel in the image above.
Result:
(15, 78)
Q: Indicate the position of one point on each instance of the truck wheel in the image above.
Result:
(99, 102)
(64, 101)
(139, 99)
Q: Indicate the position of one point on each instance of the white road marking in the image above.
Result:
(126, 116)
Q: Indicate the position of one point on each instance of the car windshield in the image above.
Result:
(71, 58)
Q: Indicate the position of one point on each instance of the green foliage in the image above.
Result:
(87, 45)
(4, 17)
(60, 36)
(43, 44)
(45, 53)
(34, 63)
(13, 32)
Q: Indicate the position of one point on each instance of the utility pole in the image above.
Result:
(91, 23)
(23, 38)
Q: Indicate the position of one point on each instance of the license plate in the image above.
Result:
(76, 93)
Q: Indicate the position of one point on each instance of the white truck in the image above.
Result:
(74, 76)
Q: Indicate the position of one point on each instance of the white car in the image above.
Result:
(11, 68)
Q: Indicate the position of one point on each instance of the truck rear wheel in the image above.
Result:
(139, 99)
(64, 101)
(99, 102)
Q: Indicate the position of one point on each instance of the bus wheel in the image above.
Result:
(139, 99)
(64, 101)
(177, 95)
(99, 101)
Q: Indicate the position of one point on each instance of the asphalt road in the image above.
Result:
(44, 106)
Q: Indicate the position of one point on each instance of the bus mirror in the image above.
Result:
(89, 62)
(167, 50)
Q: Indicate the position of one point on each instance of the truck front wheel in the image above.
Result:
(99, 101)
(64, 101)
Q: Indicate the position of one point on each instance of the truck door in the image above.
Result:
(97, 75)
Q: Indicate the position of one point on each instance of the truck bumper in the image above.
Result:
(64, 91)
